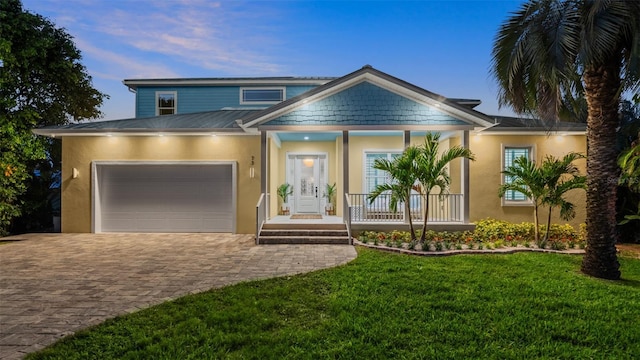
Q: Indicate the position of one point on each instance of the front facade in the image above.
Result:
(208, 155)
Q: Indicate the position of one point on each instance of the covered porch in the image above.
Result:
(334, 133)
(348, 165)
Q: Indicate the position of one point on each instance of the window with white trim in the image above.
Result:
(262, 95)
(166, 102)
(510, 154)
(372, 176)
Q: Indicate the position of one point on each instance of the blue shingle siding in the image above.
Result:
(365, 104)
(200, 98)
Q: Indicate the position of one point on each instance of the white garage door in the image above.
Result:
(166, 198)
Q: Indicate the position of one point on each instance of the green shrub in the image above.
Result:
(500, 232)
(438, 245)
(582, 232)
(558, 245)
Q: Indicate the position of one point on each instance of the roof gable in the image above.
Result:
(365, 104)
(391, 84)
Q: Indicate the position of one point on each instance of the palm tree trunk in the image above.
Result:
(602, 84)
(407, 207)
(423, 236)
(546, 233)
(536, 226)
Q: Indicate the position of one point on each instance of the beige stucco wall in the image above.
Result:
(455, 168)
(274, 176)
(79, 152)
(486, 175)
(358, 145)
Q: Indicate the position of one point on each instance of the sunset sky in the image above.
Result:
(442, 46)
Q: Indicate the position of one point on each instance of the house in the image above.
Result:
(207, 155)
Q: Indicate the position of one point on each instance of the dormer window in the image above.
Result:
(270, 95)
(166, 102)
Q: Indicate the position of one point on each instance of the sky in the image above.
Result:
(442, 46)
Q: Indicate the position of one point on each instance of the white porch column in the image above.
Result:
(345, 170)
(406, 137)
(464, 174)
(263, 168)
(263, 162)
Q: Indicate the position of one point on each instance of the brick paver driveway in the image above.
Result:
(52, 285)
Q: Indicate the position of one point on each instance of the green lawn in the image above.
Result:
(382, 305)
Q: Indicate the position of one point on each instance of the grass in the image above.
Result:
(386, 305)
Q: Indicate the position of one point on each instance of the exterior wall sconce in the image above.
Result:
(74, 173)
(252, 169)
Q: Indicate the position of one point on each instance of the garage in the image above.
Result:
(164, 197)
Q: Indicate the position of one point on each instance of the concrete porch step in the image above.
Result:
(313, 226)
(304, 234)
(310, 240)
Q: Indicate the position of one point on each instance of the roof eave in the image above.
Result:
(134, 83)
(532, 131)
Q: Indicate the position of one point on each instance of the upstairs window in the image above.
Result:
(262, 95)
(166, 102)
(510, 154)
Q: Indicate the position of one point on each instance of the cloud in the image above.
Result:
(121, 66)
(229, 38)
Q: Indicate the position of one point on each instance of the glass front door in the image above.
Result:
(307, 184)
(307, 172)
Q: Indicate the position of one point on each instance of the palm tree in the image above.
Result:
(560, 176)
(403, 175)
(552, 50)
(432, 170)
(526, 178)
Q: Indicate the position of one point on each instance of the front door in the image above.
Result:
(307, 191)
(307, 172)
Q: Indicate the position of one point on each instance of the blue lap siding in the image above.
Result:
(200, 98)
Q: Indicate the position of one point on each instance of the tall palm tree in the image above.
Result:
(560, 176)
(403, 175)
(551, 50)
(432, 170)
(526, 178)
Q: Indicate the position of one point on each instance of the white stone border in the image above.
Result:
(509, 250)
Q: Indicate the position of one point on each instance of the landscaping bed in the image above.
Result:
(489, 236)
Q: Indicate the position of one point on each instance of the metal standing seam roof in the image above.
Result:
(506, 123)
(225, 121)
(222, 81)
(219, 120)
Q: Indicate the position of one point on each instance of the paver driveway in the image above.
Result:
(52, 285)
